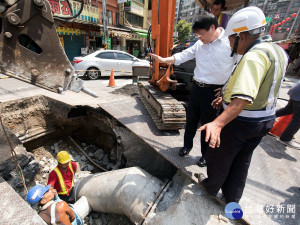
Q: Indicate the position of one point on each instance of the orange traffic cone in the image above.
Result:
(111, 79)
(280, 125)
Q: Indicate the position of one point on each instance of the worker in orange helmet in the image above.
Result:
(62, 177)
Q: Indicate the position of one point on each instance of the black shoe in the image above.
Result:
(201, 177)
(184, 151)
(202, 162)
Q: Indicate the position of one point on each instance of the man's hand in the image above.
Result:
(168, 60)
(213, 132)
(213, 129)
(217, 103)
(218, 92)
(157, 57)
(54, 191)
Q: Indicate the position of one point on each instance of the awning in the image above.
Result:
(139, 30)
(142, 34)
(86, 22)
(121, 34)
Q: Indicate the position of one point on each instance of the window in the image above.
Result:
(296, 4)
(282, 15)
(109, 17)
(106, 55)
(270, 7)
(134, 19)
(117, 19)
(122, 56)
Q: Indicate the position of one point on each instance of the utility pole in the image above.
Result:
(293, 25)
(104, 20)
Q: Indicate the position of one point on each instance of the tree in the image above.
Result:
(184, 29)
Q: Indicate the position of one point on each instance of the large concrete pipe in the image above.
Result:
(126, 191)
(82, 207)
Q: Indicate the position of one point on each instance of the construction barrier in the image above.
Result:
(280, 124)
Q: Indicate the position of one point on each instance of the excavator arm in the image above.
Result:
(30, 48)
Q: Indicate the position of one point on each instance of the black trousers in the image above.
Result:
(293, 107)
(68, 198)
(199, 110)
(227, 166)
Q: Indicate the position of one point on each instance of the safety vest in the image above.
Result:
(220, 19)
(63, 187)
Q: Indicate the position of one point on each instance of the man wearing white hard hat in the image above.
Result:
(249, 99)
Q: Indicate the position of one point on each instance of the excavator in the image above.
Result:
(31, 52)
(166, 112)
(30, 48)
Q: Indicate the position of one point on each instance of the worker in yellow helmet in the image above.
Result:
(62, 177)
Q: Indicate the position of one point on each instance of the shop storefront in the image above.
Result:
(134, 45)
(72, 40)
(82, 35)
(118, 37)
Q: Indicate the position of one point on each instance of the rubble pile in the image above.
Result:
(106, 219)
(45, 156)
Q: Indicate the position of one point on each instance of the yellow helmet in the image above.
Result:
(63, 157)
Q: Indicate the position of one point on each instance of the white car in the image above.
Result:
(101, 62)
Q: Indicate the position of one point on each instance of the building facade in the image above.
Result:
(187, 10)
(125, 29)
(83, 32)
(133, 15)
(278, 11)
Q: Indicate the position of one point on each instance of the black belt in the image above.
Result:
(207, 85)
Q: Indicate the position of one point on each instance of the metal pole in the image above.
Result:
(293, 25)
(104, 20)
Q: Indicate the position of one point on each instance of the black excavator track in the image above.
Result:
(166, 112)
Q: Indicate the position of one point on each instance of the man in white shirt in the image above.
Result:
(213, 68)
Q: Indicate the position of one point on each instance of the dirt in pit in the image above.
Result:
(128, 89)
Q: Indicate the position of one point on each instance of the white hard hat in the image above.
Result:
(247, 19)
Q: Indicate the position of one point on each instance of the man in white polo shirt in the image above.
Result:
(213, 68)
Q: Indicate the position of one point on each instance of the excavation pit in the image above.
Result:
(39, 127)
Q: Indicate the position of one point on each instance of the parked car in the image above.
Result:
(101, 62)
(185, 71)
(184, 45)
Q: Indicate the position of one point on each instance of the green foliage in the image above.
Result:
(184, 29)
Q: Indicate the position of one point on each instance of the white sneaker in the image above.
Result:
(291, 144)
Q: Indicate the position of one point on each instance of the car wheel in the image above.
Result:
(93, 73)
